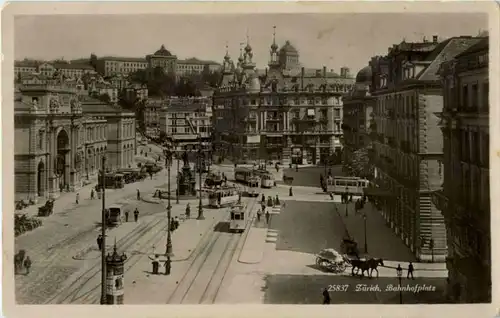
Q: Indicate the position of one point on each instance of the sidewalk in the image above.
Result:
(381, 241)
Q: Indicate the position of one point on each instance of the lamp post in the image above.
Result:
(168, 251)
(366, 241)
(399, 272)
(103, 233)
(346, 201)
(431, 247)
(200, 208)
(177, 177)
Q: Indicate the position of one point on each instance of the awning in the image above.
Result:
(378, 192)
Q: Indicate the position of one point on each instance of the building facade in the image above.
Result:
(408, 153)
(162, 58)
(186, 122)
(95, 144)
(48, 122)
(69, 70)
(285, 114)
(465, 196)
(194, 65)
(358, 117)
(121, 127)
(110, 65)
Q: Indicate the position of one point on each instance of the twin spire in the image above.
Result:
(247, 56)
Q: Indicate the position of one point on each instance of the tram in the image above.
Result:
(266, 178)
(249, 178)
(223, 196)
(237, 218)
(350, 185)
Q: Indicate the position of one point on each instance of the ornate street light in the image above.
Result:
(168, 161)
(103, 233)
(200, 208)
(346, 201)
(366, 241)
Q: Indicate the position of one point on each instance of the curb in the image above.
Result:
(247, 230)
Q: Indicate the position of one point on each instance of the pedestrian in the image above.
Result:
(290, 192)
(331, 195)
(258, 215)
(138, 195)
(410, 271)
(297, 167)
(172, 225)
(126, 216)
(188, 211)
(91, 194)
(155, 263)
(77, 197)
(268, 215)
(136, 215)
(176, 222)
(168, 266)
(326, 297)
(99, 242)
(277, 200)
(27, 264)
(263, 198)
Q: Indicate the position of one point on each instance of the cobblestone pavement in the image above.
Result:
(52, 246)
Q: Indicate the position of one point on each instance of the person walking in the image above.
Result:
(259, 213)
(92, 194)
(188, 211)
(136, 215)
(77, 198)
(410, 271)
(99, 242)
(176, 222)
(126, 216)
(27, 264)
(290, 192)
(168, 265)
(138, 195)
(326, 297)
(268, 216)
(155, 263)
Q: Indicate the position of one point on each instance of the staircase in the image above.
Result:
(432, 226)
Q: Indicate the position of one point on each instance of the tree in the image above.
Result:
(93, 60)
(359, 164)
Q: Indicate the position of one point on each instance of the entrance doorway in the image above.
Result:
(63, 149)
(40, 179)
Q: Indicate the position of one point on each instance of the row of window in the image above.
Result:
(128, 130)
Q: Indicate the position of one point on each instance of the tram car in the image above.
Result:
(249, 178)
(266, 178)
(349, 185)
(213, 180)
(223, 196)
(237, 218)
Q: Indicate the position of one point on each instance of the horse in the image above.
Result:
(366, 265)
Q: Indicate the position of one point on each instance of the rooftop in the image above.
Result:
(194, 60)
(185, 108)
(482, 45)
(123, 59)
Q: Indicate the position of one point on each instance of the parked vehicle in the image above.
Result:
(116, 214)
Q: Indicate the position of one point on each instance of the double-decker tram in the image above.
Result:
(223, 196)
(249, 178)
(350, 185)
(237, 218)
(266, 178)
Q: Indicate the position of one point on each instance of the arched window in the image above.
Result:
(40, 139)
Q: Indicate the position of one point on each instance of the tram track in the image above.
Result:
(215, 257)
(70, 291)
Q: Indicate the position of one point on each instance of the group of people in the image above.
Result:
(155, 261)
(271, 202)
(22, 262)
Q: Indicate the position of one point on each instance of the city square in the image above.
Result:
(258, 170)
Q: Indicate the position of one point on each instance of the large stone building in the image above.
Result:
(185, 121)
(112, 65)
(287, 114)
(194, 65)
(70, 70)
(60, 138)
(465, 197)
(164, 59)
(358, 117)
(408, 147)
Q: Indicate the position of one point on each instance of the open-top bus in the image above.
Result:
(350, 185)
(223, 196)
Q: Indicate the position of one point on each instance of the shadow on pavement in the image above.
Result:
(222, 227)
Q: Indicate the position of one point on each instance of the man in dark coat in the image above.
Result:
(126, 216)
(268, 216)
(410, 271)
(326, 297)
(136, 214)
(99, 242)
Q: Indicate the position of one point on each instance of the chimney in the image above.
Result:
(302, 72)
(434, 39)
(324, 71)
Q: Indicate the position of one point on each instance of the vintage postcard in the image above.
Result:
(250, 154)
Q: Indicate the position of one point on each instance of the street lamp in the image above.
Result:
(103, 233)
(366, 242)
(399, 272)
(168, 157)
(178, 176)
(346, 201)
(200, 208)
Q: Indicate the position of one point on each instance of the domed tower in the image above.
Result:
(248, 63)
(241, 59)
(364, 79)
(274, 61)
(288, 56)
(227, 63)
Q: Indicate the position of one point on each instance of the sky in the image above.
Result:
(331, 40)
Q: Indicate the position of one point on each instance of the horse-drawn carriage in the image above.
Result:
(331, 260)
(47, 208)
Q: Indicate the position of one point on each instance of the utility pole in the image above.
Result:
(178, 180)
(103, 233)
(168, 252)
(200, 208)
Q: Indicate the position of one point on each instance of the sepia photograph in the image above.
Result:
(253, 158)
